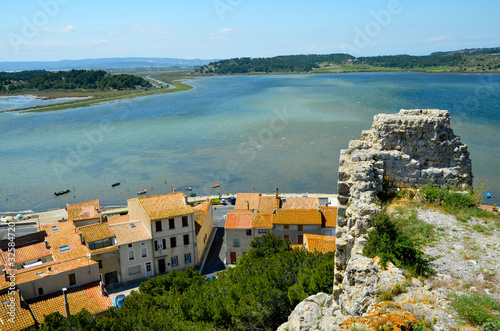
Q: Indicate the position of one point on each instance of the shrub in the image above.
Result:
(478, 309)
(390, 244)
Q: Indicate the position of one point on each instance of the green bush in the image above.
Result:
(215, 201)
(390, 244)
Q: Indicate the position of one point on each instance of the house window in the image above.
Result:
(174, 261)
(143, 243)
(186, 239)
(262, 230)
(99, 244)
(64, 248)
(135, 270)
(40, 291)
(160, 244)
(131, 255)
(249, 232)
(286, 226)
(286, 237)
(171, 223)
(236, 242)
(184, 221)
(130, 245)
(158, 226)
(300, 239)
(144, 252)
(100, 263)
(55, 228)
(71, 279)
(300, 228)
(187, 258)
(173, 242)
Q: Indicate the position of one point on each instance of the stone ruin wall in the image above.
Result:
(407, 149)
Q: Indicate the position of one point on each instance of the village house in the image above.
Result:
(170, 220)
(136, 250)
(204, 224)
(84, 213)
(288, 218)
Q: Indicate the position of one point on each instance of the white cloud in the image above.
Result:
(222, 33)
(113, 33)
(437, 39)
(96, 42)
(150, 29)
(67, 29)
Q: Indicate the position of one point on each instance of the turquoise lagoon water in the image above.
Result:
(241, 131)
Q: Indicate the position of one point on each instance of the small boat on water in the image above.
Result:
(143, 191)
(189, 188)
(62, 192)
(115, 184)
(215, 185)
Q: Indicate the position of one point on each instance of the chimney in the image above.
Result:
(253, 210)
(66, 304)
(49, 268)
(174, 190)
(326, 204)
(101, 286)
(82, 241)
(248, 204)
(46, 243)
(254, 189)
(277, 192)
(5, 275)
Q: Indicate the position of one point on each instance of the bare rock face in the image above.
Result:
(408, 149)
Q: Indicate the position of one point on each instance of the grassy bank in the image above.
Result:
(97, 97)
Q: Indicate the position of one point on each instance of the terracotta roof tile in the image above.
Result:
(329, 216)
(65, 235)
(253, 201)
(239, 220)
(81, 297)
(31, 252)
(104, 250)
(95, 232)
(201, 212)
(319, 243)
(262, 221)
(297, 216)
(165, 205)
(22, 319)
(117, 219)
(301, 203)
(84, 210)
(131, 232)
(267, 204)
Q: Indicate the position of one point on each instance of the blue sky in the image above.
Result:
(207, 29)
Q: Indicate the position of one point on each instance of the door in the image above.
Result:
(161, 266)
(111, 278)
(300, 239)
(286, 237)
(232, 256)
(149, 269)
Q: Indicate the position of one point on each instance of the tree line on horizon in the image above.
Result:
(480, 59)
(68, 80)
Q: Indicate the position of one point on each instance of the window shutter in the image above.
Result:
(164, 243)
(156, 245)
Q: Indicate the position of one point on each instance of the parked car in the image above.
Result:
(232, 200)
(118, 301)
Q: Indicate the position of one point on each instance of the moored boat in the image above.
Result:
(62, 192)
(115, 184)
(215, 185)
(143, 191)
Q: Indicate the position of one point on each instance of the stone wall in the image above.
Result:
(408, 149)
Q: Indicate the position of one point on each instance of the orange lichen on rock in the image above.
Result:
(383, 316)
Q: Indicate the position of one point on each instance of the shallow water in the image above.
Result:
(240, 131)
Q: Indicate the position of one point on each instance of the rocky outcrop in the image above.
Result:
(408, 149)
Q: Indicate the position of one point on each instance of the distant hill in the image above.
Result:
(467, 60)
(105, 63)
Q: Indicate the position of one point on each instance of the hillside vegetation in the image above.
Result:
(469, 60)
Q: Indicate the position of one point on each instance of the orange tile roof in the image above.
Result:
(31, 252)
(165, 205)
(301, 203)
(95, 232)
(262, 221)
(319, 243)
(268, 203)
(66, 235)
(104, 249)
(126, 234)
(253, 201)
(296, 246)
(297, 216)
(239, 220)
(329, 216)
(41, 271)
(22, 318)
(81, 297)
(84, 210)
(201, 212)
(117, 219)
